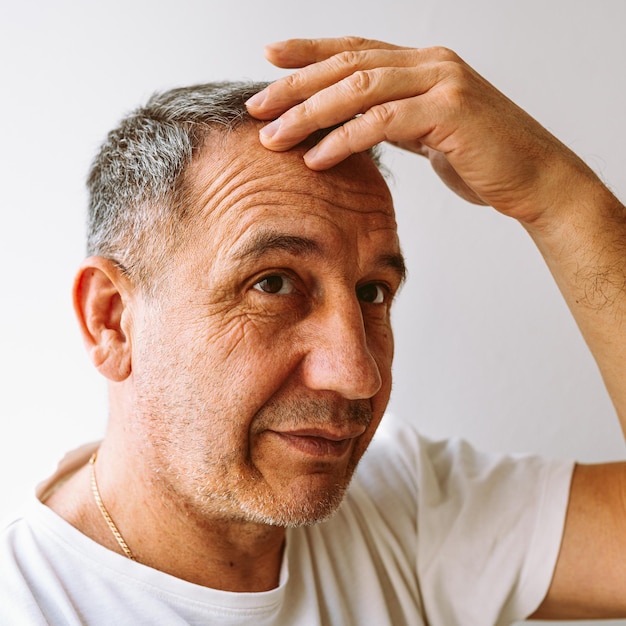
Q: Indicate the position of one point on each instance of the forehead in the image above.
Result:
(239, 187)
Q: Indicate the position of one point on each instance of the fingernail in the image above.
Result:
(256, 100)
(311, 154)
(314, 159)
(318, 158)
(275, 45)
(267, 132)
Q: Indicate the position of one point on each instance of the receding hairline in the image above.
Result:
(141, 182)
(224, 146)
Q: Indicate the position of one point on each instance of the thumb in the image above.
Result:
(443, 169)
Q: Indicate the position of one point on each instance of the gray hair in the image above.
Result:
(139, 206)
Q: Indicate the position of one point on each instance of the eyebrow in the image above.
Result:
(395, 262)
(268, 241)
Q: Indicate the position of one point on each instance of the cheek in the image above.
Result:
(381, 345)
(230, 358)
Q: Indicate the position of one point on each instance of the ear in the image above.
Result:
(101, 297)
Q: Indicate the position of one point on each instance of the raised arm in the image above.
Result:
(482, 145)
(489, 151)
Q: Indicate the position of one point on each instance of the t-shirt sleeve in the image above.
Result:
(489, 532)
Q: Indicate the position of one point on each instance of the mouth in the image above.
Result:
(320, 443)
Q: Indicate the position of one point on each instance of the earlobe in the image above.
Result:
(101, 294)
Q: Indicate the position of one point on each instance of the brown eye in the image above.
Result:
(373, 293)
(275, 284)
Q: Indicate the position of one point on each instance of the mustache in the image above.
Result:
(313, 413)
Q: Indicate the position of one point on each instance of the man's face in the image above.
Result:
(263, 365)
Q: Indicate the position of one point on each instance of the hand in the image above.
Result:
(428, 101)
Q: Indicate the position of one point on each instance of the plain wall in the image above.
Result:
(486, 349)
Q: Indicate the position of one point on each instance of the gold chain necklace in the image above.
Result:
(107, 518)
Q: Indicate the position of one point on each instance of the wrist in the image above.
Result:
(570, 202)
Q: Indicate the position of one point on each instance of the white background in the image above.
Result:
(485, 347)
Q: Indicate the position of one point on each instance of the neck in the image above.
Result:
(167, 535)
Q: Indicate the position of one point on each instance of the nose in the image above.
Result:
(338, 357)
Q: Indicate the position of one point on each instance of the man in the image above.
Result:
(237, 298)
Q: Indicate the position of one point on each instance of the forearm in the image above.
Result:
(584, 245)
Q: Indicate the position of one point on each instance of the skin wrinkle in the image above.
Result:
(239, 178)
(216, 204)
(223, 202)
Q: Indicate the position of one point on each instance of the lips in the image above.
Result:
(319, 442)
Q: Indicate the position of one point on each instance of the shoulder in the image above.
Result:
(399, 451)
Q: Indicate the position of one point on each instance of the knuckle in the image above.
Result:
(360, 81)
(381, 114)
(294, 81)
(443, 54)
(344, 133)
(349, 137)
(454, 92)
(348, 58)
(307, 110)
(359, 43)
(453, 74)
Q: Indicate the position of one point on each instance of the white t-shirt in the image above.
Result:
(429, 533)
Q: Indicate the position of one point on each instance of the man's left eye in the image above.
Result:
(372, 293)
(276, 284)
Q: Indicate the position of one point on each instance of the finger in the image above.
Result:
(300, 52)
(351, 96)
(297, 87)
(390, 121)
(412, 145)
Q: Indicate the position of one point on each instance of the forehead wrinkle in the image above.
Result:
(219, 200)
(230, 179)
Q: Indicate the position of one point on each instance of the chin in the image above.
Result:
(297, 516)
(300, 509)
